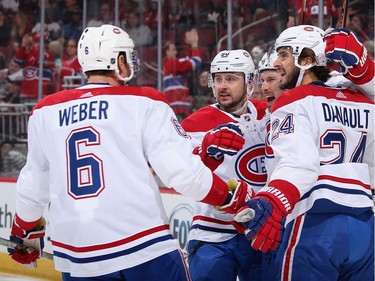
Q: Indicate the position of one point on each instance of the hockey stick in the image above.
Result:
(303, 11)
(344, 11)
(14, 245)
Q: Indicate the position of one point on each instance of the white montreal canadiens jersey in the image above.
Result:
(208, 223)
(89, 154)
(323, 142)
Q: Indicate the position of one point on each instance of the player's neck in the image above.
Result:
(308, 78)
(104, 79)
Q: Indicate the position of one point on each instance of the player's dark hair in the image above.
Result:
(321, 72)
(103, 72)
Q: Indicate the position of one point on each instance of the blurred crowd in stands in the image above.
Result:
(204, 20)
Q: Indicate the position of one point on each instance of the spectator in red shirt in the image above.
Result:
(175, 86)
(69, 64)
(28, 55)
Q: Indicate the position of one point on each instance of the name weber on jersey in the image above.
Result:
(80, 112)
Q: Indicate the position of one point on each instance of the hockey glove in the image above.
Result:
(342, 46)
(239, 193)
(226, 139)
(30, 237)
(263, 218)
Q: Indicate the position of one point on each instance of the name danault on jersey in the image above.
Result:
(350, 117)
(79, 112)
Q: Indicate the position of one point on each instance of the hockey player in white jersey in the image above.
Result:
(89, 154)
(227, 137)
(323, 142)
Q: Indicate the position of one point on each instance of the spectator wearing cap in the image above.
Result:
(15, 69)
(327, 19)
(314, 6)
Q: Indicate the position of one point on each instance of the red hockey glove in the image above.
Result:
(239, 193)
(342, 46)
(31, 240)
(226, 139)
(263, 218)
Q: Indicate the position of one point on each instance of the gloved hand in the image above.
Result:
(30, 235)
(239, 193)
(226, 139)
(262, 219)
(342, 46)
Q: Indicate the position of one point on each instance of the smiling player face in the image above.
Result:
(270, 85)
(287, 68)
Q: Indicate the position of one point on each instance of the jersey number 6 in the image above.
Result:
(85, 169)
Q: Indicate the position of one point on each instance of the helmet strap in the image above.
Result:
(117, 71)
(240, 111)
(302, 70)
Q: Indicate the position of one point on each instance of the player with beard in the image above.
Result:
(320, 189)
(228, 138)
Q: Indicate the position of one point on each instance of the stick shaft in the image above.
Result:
(13, 245)
(344, 11)
(303, 11)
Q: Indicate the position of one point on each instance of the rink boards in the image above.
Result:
(178, 209)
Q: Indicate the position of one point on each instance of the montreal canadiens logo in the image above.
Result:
(29, 73)
(116, 31)
(308, 28)
(250, 165)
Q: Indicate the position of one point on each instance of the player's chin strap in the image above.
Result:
(302, 70)
(125, 79)
(245, 103)
(240, 111)
(250, 91)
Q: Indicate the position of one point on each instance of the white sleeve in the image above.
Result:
(169, 150)
(32, 191)
(368, 89)
(338, 80)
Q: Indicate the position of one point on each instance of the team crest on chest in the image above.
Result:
(250, 165)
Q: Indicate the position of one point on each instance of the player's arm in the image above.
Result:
(342, 46)
(297, 164)
(168, 149)
(262, 218)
